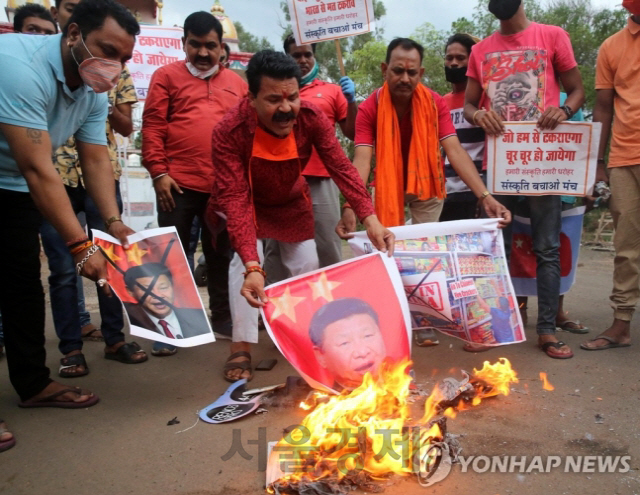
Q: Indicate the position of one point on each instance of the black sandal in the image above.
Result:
(238, 365)
(125, 353)
(69, 362)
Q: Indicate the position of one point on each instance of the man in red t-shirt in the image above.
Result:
(403, 72)
(518, 71)
(338, 102)
(186, 100)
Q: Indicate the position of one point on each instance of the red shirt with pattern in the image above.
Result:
(263, 199)
(328, 98)
(179, 115)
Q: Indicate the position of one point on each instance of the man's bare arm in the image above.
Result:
(120, 119)
(348, 125)
(603, 112)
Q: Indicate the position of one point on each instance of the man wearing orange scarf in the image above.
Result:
(407, 123)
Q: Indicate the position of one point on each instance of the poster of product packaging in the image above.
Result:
(456, 279)
(338, 323)
(153, 280)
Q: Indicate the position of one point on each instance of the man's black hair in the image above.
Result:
(290, 40)
(462, 38)
(276, 65)
(90, 15)
(202, 23)
(58, 2)
(335, 311)
(405, 44)
(145, 270)
(31, 10)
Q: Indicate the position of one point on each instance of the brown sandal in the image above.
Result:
(237, 365)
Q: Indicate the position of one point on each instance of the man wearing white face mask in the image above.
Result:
(185, 101)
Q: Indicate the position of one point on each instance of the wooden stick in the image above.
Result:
(340, 62)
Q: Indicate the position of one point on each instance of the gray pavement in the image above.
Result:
(123, 445)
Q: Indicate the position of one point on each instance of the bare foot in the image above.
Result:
(619, 331)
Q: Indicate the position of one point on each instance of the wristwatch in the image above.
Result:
(568, 110)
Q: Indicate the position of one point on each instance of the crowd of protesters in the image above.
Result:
(259, 165)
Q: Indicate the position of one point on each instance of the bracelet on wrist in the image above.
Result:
(158, 176)
(111, 221)
(475, 114)
(80, 247)
(77, 241)
(92, 250)
(346, 205)
(484, 195)
(255, 268)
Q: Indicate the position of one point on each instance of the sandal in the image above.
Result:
(612, 344)
(125, 354)
(548, 349)
(573, 326)
(237, 365)
(160, 349)
(69, 366)
(5, 444)
(91, 333)
(50, 400)
(426, 337)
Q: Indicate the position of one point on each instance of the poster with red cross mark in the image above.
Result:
(153, 280)
(338, 323)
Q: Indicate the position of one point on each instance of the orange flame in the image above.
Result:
(364, 428)
(545, 382)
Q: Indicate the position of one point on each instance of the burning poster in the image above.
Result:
(456, 279)
(338, 323)
(154, 283)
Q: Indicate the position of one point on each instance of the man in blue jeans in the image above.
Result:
(518, 70)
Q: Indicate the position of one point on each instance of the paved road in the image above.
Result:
(123, 445)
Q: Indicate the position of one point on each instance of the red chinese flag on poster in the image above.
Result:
(338, 323)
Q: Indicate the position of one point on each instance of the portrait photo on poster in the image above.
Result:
(333, 328)
(456, 279)
(154, 282)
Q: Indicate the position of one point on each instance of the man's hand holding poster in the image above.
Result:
(456, 279)
(527, 161)
(154, 283)
(338, 323)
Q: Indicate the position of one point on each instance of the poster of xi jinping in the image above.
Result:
(154, 283)
(338, 323)
(456, 279)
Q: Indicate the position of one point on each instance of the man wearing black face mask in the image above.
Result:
(461, 203)
(517, 70)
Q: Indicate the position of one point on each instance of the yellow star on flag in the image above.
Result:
(286, 305)
(108, 250)
(322, 288)
(135, 254)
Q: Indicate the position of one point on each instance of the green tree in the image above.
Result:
(249, 42)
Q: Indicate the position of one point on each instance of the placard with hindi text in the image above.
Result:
(527, 161)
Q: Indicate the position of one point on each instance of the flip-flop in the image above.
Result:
(90, 333)
(573, 326)
(548, 347)
(69, 362)
(238, 365)
(7, 444)
(472, 347)
(611, 345)
(161, 349)
(125, 354)
(49, 400)
(426, 337)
